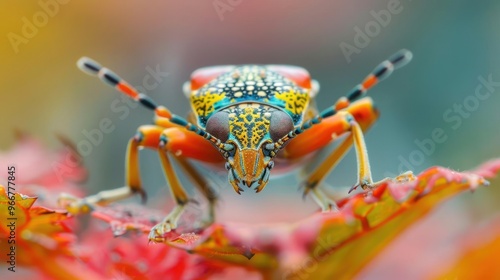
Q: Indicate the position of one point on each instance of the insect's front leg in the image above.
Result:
(146, 136)
(354, 120)
(180, 144)
(203, 186)
(323, 134)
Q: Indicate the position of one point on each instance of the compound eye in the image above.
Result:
(218, 126)
(281, 124)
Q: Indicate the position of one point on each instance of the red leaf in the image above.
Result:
(321, 245)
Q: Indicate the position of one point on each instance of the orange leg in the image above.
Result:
(322, 134)
(345, 116)
(355, 120)
(146, 136)
(174, 141)
(172, 136)
(181, 144)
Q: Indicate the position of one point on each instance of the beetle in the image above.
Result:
(251, 119)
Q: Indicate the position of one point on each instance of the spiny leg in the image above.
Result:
(146, 136)
(355, 136)
(365, 181)
(354, 120)
(343, 122)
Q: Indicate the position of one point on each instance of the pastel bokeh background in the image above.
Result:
(453, 45)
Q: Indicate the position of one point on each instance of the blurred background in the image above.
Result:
(452, 86)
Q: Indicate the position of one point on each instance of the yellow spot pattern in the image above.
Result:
(295, 102)
(203, 104)
(249, 125)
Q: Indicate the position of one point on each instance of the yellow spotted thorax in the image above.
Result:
(250, 84)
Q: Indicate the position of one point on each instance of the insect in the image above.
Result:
(251, 119)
